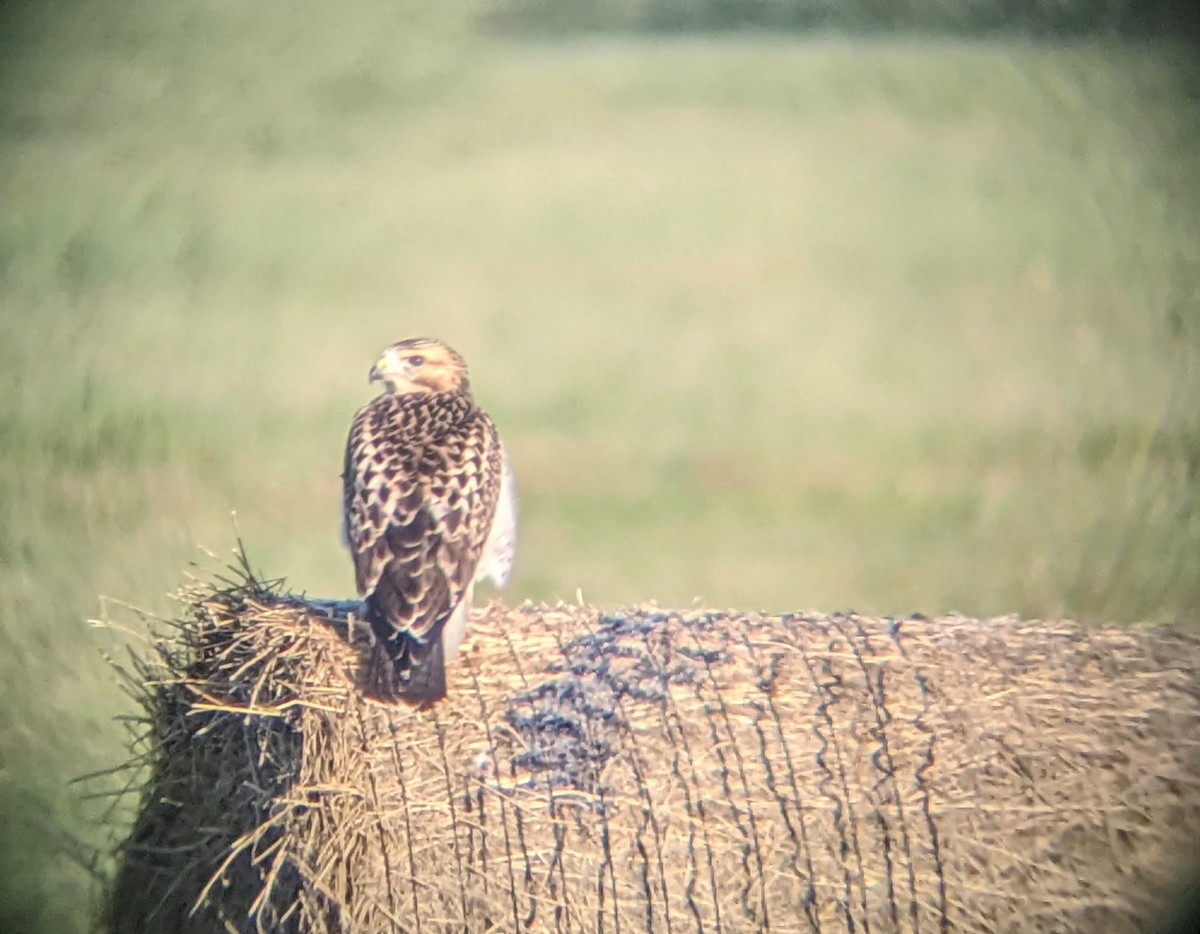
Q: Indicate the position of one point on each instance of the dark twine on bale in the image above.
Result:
(657, 770)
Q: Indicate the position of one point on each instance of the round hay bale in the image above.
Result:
(649, 769)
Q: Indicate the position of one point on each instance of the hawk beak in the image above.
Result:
(376, 374)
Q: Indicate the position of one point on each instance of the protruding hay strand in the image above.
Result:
(645, 767)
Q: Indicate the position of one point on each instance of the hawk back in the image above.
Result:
(422, 481)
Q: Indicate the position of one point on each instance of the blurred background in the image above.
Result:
(779, 304)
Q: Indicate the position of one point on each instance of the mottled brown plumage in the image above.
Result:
(428, 510)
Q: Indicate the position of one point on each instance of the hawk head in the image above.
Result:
(421, 365)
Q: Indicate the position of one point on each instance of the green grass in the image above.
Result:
(771, 323)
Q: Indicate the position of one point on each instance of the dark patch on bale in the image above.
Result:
(656, 770)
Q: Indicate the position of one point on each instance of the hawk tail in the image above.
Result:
(401, 668)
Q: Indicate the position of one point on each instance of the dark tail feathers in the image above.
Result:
(400, 668)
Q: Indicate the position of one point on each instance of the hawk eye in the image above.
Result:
(417, 360)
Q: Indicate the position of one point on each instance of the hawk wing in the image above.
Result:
(421, 485)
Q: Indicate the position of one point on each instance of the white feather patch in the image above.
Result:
(499, 551)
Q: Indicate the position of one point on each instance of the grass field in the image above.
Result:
(772, 323)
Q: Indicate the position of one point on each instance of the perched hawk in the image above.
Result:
(429, 509)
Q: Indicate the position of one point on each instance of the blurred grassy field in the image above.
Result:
(772, 323)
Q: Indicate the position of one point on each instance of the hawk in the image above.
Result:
(429, 509)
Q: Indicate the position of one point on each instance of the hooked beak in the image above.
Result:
(376, 374)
